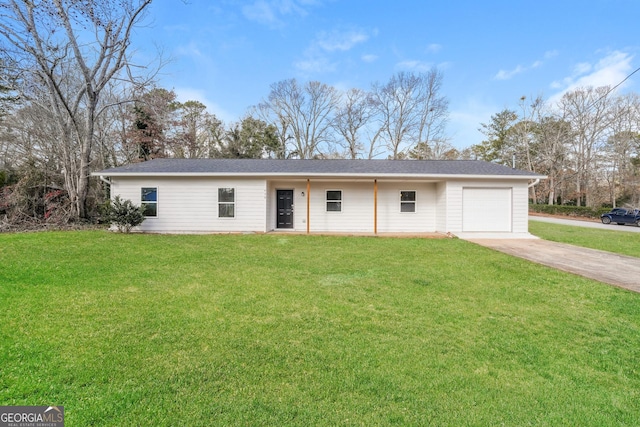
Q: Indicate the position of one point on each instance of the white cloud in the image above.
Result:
(608, 71)
(369, 58)
(551, 54)
(340, 40)
(317, 57)
(434, 48)
(315, 65)
(184, 94)
(190, 50)
(444, 65)
(414, 65)
(581, 68)
(519, 69)
(506, 75)
(273, 12)
(261, 12)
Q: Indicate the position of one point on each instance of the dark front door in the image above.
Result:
(285, 208)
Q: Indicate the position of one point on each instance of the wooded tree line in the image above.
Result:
(67, 61)
(312, 120)
(587, 143)
(72, 101)
(75, 102)
(403, 118)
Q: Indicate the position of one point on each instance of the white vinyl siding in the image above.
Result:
(520, 206)
(441, 207)
(299, 207)
(356, 214)
(391, 219)
(190, 204)
(357, 206)
(455, 207)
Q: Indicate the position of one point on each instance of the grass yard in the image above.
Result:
(620, 242)
(274, 330)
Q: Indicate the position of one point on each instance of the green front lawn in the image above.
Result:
(277, 330)
(613, 240)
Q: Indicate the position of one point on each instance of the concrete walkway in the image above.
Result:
(617, 270)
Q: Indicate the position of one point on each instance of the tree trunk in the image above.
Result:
(85, 162)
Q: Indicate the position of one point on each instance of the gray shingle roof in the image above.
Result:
(269, 167)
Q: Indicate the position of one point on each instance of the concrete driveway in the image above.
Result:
(618, 270)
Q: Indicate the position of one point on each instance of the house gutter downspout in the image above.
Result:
(530, 185)
(103, 179)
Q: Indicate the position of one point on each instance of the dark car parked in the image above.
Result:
(621, 217)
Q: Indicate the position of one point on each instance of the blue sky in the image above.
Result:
(227, 53)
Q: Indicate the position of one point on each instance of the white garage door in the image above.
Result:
(486, 209)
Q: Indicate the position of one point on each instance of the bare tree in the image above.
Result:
(215, 136)
(304, 111)
(621, 148)
(587, 110)
(524, 134)
(112, 128)
(433, 114)
(396, 107)
(280, 124)
(410, 111)
(352, 117)
(553, 136)
(51, 42)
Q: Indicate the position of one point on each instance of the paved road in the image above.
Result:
(589, 224)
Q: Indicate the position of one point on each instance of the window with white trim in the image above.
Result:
(334, 200)
(407, 201)
(226, 202)
(149, 201)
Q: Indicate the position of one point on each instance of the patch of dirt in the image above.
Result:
(36, 226)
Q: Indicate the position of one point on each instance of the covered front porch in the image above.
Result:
(363, 206)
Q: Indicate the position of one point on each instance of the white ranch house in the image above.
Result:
(321, 196)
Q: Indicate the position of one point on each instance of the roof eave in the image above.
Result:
(318, 175)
